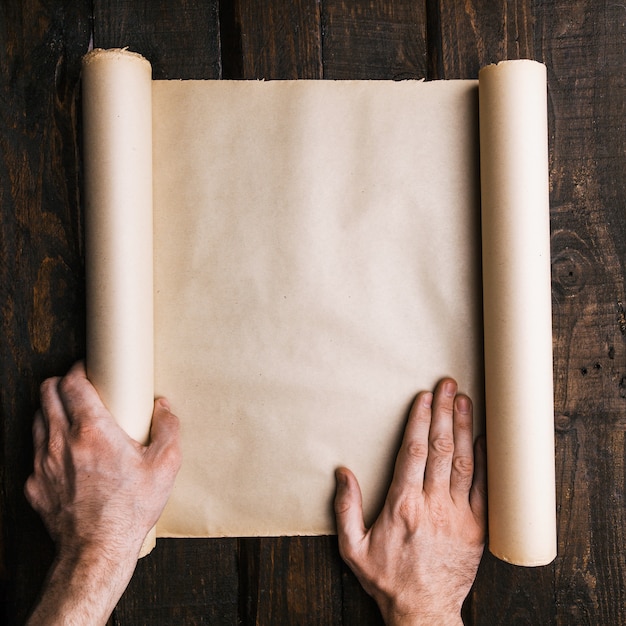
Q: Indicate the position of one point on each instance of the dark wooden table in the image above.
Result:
(302, 580)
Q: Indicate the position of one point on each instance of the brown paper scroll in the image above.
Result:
(118, 234)
(517, 312)
(316, 264)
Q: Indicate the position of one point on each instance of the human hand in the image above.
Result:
(98, 493)
(420, 557)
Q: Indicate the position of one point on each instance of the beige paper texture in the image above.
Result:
(316, 263)
(293, 321)
(517, 312)
(117, 112)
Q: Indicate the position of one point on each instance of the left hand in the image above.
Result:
(96, 489)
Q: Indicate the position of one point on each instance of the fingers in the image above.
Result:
(462, 471)
(408, 473)
(79, 397)
(348, 513)
(165, 436)
(40, 434)
(437, 454)
(478, 492)
(441, 438)
(32, 488)
(53, 415)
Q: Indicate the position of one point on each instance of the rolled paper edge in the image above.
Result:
(149, 543)
(102, 362)
(511, 516)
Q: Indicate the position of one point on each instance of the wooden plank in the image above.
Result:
(358, 608)
(180, 38)
(290, 580)
(41, 290)
(383, 39)
(280, 39)
(466, 35)
(506, 594)
(182, 581)
(582, 44)
(41, 270)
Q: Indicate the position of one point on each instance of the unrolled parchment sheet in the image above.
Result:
(316, 264)
(312, 240)
(517, 312)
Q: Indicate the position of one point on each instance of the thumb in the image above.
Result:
(349, 514)
(165, 436)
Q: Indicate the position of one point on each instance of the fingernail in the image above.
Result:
(449, 389)
(462, 404)
(427, 400)
(340, 477)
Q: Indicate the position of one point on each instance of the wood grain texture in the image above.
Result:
(179, 37)
(303, 580)
(277, 40)
(191, 582)
(290, 580)
(465, 35)
(41, 271)
(582, 44)
(374, 40)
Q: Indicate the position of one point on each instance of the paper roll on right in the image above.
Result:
(517, 312)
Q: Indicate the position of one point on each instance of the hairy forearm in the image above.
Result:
(425, 613)
(81, 590)
(424, 619)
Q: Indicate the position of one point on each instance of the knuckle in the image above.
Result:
(407, 513)
(443, 444)
(66, 385)
(51, 465)
(417, 451)
(464, 467)
(48, 386)
(31, 489)
(342, 505)
(175, 457)
(34, 493)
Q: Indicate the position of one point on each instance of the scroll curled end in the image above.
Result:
(111, 54)
(519, 397)
(117, 129)
(503, 66)
(525, 561)
(149, 543)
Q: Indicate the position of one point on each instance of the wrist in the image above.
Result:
(426, 614)
(83, 587)
(424, 619)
